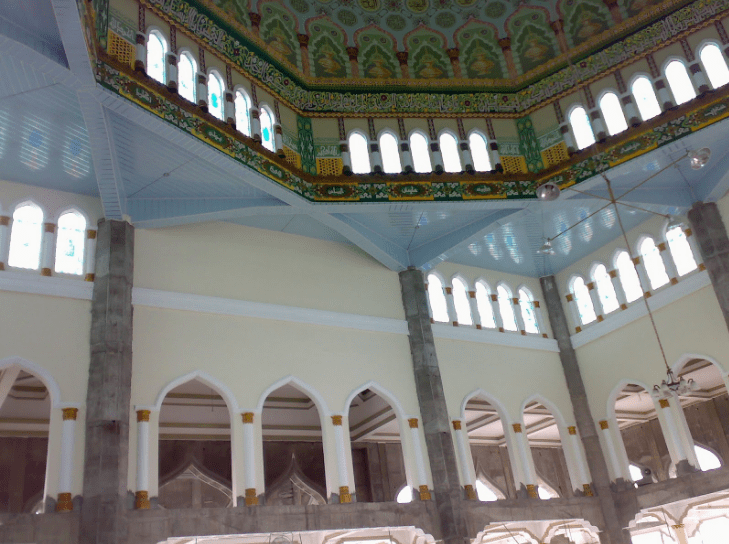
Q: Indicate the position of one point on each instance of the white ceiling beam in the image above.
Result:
(7, 379)
(73, 37)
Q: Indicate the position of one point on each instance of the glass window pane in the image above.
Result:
(680, 250)
(156, 49)
(605, 289)
(186, 70)
(359, 153)
(506, 309)
(584, 301)
(242, 113)
(420, 152)
(215, 96)
(645, 98)
(390, 154)
(628, 277)
(613, 114)
(653, 263)
(485, 310)
(581, 128)
(714, 65)
(267, 129)
(680, 82)
(479, 152)
(527, 312)
(460, 300)
(449, 150)
(70, 243)
(25, 237)
(437, 299)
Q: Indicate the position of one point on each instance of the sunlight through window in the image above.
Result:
(506, 309)
(215, 96)
(405, 495)
(359, 153)
(653, 263)
(420, 153)
(449, 150)
(484, 492)
(680, 82)
(479, 152)
(436, 295)
(267, 122)
(605, 289)
(581, 128)
(583, 300)
(628, 277)
(714, 65)
(70, 243)
(526, 304)
(242, 113)
(645, 98)
(390, 154)
(156, 51)
(25, 237)
(707, 459)
(612, 112)
(186, 75)
(485, 310)
(461, 302)
(680, 250)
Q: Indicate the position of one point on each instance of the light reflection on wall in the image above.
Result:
(34, 146)
(563, 244)
(510, 243)
(76, 155)
(3, 130)
(585, 229)
(494, 250)
(607, 218)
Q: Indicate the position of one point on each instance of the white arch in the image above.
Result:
(313, 394)
(38, 371)
(382, 392)
(613, 396)
(549, 405)
(208, 380)
(686, 357)
(498, 406)
(25, 201)
(72, 208)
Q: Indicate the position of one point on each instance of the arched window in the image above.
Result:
(186, 76)
(680, 250)
(216, 100)
(479, 152)
(436, 295)
(506, 308)
(25, 236)
(485, 310)
(70, 243)
(449, 150)
(156, 51)
(645, 98)
(714, 65)
(653, 263)
(605, 289)
(420, 152)
(359, 153)
(581, 128)
(628, 277)
(612, 112)
(680, 82)
(242, 113)
(267, 122)
(583, 301)
(390, 155)
(526, 303)
(461, 302)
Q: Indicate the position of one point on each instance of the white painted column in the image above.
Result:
(619, 291)
(518, 316)
(495, 156)
(346, 158)
(665, 254)
(698, 78)
(202, 90)
(598, 125)
(5, 222)
(140, 52)
(494, 299)
(691, 239)
(90, 255)
(171, 71)
(65, 470)
(256, 124)
(665, 99)
(465, 460)
(153, 459)
(576, 461)
(632, 115)
(423, 489)
(617, 462)
(141, 497)
(568, 138)
(229, 108)
(595, 297)
(406, 156)
(452, 315)
(669, 427)
(474, 309)
(249, 460)
(526, 462)
(466, 157)
(684, 433)
(344, 493)
(278, 140)
(375, 156)
(574, 310)
(643, 275)
(680, 532)
(47, 249)
(436, 157)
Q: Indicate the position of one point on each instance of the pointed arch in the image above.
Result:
(420, 150)
(427, 58)
(528, 309)
(449, 149)
(483, 302)
(549, 405)
(187, 76)
(504, 296)
(26, 235)
(679, 81)
(653, 263)
(278, 29)
(581, 127)
(481, 56)
(328, 57)
(478, 143)
(613, 396)
(605, 288)
(41, 373)
(302, 386)
(714, 63)
(612, 112)
(381, 391)
(645, 97)
(501, 410)
(460, 287)
(377, 59)
(687, 357)
(70, 242)
(156, 55)
(208, 380)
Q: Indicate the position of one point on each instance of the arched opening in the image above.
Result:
(461, 302)
(421, 154)
(156, 51)
(216, 99)
(194, 448)
(680, 250)
(26, 236)
(585, 308)
(714, 65)
(506, 308)
(436, 296)
(613, 114)
(545, 443)
(242, 112)
(449, 150)
(186, 74)
(359, 153)
(479, 152)
(487, 441)
(645, 98)
(25, 412)
(628, 276)
(70, 240)
(390, 155)
(581, 128)
(267, 122)
(528, 312)
(605, 289)
(293, 452)
(653, 263)
(377, 455)
(485, 309)
(679, 82)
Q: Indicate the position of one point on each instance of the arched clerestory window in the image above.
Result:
(506, 308)
(714, 65)
(449, 150)
(436, 295)
(585, 309)
(216, 95)
(653, 263)
(461, 302)
(156, 52)
(242, 112)
(680, 250)
(628, 277)
(389, 150)
(605, 289)
(485, 309)
(613, 114)
(359, 153)
(420, 151)
(186, 76)
(581, 128)
(645, 98)
(70, 243)
(26, 236)
(267, 122)
(528, 314)
(679, 82)
(479, 152)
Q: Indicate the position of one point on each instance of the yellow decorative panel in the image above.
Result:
(514, 164)
(292, 157)
(121, 49)
(555, 154)
(329, 167)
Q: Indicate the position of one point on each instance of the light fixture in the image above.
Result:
(699, 157)
(673, 387)
(548, 191)
(546, 248)
(673, 222)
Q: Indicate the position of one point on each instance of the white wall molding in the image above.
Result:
(35, 284)
(637, 309)
(486, 336)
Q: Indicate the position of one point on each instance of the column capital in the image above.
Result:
(352, 53)
(142, 415)
(424, 493)
(456, 425)
(402, 57)
(4, 220)
(247, 417)
(517, 427)
(344, 495)
(337, 421)
(604, 424)
(64, 503)
(69, 414)
(413, 422)
(251, 497)
(663, 403)
(141, 500)
(572, 430)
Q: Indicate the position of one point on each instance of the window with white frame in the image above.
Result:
(461, 302)
(390, 153)
(528, 315)
(436, 295)
(653, 263)
(612, 112)
(581, 128)
(156, 52)
(267, 122)
(628, 276)
(680, 250)
(479, 152)
(506, 308)
(26, 236)
(645, 98)
(679, 82)
(581, 294)
(485, 309)
(359, 153)
(242, 112)
(420, 151)
(216, 99)
(186, 77)
(605, 289)
(714, 65)
(449, 151)
(70, 243)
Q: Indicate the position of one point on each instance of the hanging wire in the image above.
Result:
(510, 533)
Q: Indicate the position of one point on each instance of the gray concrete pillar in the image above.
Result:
(612, 529)
(433, 410)
(711, 236)
(103, 513)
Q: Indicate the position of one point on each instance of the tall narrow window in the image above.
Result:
(645, 98)
(485, 310)
(714, 65)
(628, 277)
(267, 121)
(25, 237)
(461, 302)
(449, 150)
(612, 112)
(359, 153)
(420, 152)
(680, 250)
(186, 75)
(653, 263)
(506, 308)
(479, 152)
(437, 299)
(390, 154)
(526, 303)
(583, 300)
(242, 113)
(156, 51)
(215, 95)
(605, 289)
(680, 82)
(70, 243)
(581, 128)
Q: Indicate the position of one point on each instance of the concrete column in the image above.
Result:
(103, 516)
(4, 240)
(141, 497)
(344, 492)
(65, 470)
(90, 256)
(249, 460)
(433, 410)
(419, 462)
(475, 316)
(612, 531)
(47, 249)
(468, 472)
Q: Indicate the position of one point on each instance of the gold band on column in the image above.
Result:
(413, 422)
(336, 420)
(470, 493)
(141, 500)
(456, 425)
(142, 415)
(344, 496)
(603, 424)
(517, 427)
(64, 503)
(248, 418)
(587, 489)
(663, 403)
(45, 271)
(251, 497)
(424, 493)
(572, 430)
(69, 413)
(90, 277)
(532, 491)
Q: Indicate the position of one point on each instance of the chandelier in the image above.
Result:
(673, 387)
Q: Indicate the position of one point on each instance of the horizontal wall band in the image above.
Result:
(486, 336)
